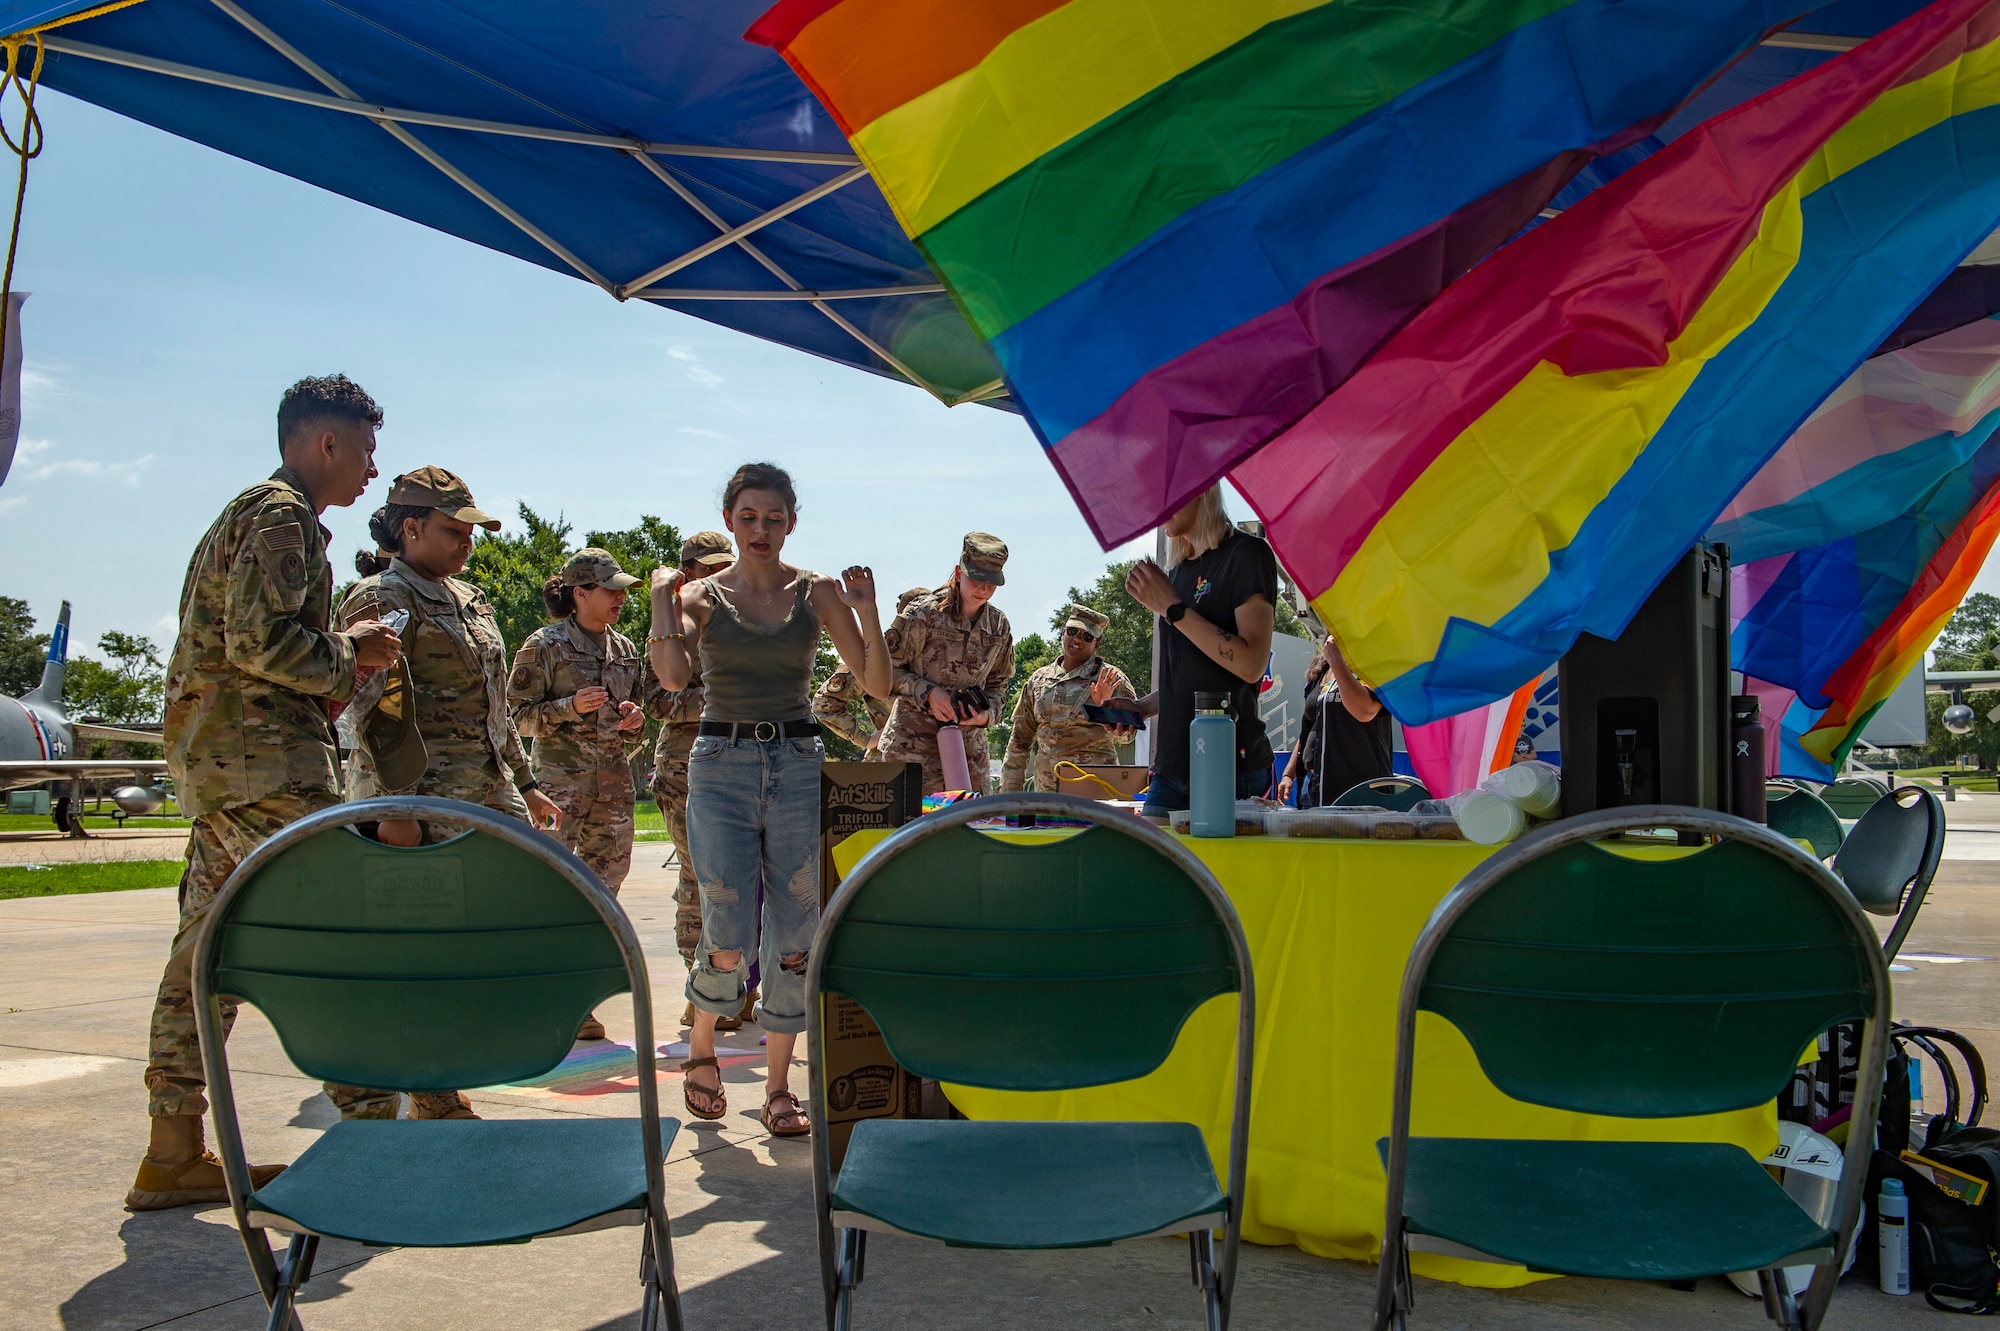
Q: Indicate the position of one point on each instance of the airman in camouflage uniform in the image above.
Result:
(582, 760)
(458, 674)
(247, 739)
(933, 646)
(833, 702)
(703, 553)
(1050, 715)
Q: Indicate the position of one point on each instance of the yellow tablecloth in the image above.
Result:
(1330, 925)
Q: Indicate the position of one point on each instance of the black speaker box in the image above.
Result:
(1645, 716)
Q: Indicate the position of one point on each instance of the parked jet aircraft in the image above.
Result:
(38, 740)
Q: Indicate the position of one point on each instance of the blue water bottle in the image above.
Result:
(1212, 767)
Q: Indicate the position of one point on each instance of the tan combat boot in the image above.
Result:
(179, 1171)
(440, 1104)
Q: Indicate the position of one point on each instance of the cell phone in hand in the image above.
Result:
(395, 619)
(1112, 716)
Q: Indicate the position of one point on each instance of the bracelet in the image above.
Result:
(527, 786)
(664, 637)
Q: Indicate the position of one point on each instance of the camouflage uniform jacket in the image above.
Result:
(458, 664)
(255, 661)
(680, 725)
(833, 707)
(927, 646)
(588, 755)
(1050, 717)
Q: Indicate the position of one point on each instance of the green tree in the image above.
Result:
(639, 550)
(510, 567)
(1968, 637)
(128, 689)
(22, 650)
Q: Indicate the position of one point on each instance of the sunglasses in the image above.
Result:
(1071, 631)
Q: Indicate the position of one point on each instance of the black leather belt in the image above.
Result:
(763, 732)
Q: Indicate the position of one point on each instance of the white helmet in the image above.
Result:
(1809, 1167)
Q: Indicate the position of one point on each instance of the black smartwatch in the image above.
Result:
(1176, 612)
(527, 786)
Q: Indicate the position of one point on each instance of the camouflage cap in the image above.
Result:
(707, 548)
(1090, 621)
(911, 595)
(592, 567)
(434, 487)
(983, 557)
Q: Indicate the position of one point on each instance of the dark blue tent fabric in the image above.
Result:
(672, 72)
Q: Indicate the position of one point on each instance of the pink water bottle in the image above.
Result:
(951, 758)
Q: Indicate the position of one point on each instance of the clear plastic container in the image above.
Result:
(1358, 823)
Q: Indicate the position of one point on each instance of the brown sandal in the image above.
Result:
(796, 1114)
(718, 1096)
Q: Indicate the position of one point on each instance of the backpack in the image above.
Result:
(1954, 1248)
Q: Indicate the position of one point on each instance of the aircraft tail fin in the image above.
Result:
(49, 693)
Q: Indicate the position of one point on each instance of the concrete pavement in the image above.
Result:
(76, 981)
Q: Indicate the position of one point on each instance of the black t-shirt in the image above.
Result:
(1340, 752)
(1213, 585)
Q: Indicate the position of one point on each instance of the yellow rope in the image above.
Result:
(30, 146)
(53, 24)
(1082, 775)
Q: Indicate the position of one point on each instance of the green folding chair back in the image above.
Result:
(1890, 857)
(1633, 987)
(1795, 812)
(1852, 796)
(466, 963)
(1398, 794)
(976, 956)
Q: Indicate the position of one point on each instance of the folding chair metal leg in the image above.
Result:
(656, 1274)
(847, 1274)
(1779, 1304)
(1394, 1293)
(296, 1270)
(1201, 1254)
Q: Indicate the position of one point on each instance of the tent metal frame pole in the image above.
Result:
(801, 294)
(402, 115)
(413, 143)
(715, 219)
(736, 233)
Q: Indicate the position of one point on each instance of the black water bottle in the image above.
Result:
(1746, 759)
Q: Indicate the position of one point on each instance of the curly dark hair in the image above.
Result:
(333, 397)
(559, 597)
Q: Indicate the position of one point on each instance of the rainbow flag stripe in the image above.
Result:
(1182, 223)
(1861, 534)
(1530, 454)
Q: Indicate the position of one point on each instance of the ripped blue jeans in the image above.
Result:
(753, 816)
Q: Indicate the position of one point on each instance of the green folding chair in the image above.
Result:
(466, 963)
(1594, 982)
(1852, 796)
(1795, 812)
(1398, 794)
(975, 957)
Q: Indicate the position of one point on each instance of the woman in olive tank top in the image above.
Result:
(753, 774)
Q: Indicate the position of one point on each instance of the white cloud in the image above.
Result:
(11, 502)
(43, 382)
(708, 434)
(693, 367)
(126, 471)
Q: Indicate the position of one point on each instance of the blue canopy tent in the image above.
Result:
(645, 148)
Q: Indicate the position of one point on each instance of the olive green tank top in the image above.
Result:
(753, 672)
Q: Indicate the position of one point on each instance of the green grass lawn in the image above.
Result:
(35, 822)
(57, 880)
(1964, 780)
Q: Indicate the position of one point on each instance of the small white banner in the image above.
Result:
(10, 385)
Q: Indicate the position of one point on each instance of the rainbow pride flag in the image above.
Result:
(1861, 535)
(1531, 453)
(1182, 223)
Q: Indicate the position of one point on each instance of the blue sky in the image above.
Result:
(177, 291)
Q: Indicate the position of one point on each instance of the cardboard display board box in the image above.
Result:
(862, 1080)
(1129, 782)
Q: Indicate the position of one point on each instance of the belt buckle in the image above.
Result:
(765, 731)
